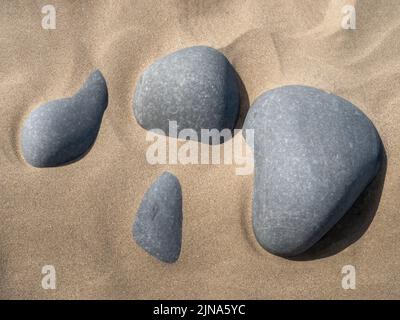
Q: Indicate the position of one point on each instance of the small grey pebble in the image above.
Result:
(197, 87)
(314, 154)
(61, 131)
(158, 224)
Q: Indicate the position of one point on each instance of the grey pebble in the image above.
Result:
(158, 224)
(314, 154)
(197, 87)
(61, 131)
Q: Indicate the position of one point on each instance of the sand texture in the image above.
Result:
(79, 217)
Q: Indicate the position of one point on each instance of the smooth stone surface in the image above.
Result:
(158, 224)
(61, 131)
(197, 87)
(314, 154)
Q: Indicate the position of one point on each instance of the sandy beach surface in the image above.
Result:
(78, 217)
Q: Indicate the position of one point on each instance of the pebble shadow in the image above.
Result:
(244, 106)
(244, 103)
(354, 224)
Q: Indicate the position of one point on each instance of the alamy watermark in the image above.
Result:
(49, 20)
(349, 278)
(164, 149)
(49, 279)
(349, 18)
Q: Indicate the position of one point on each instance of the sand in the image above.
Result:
(78, 217)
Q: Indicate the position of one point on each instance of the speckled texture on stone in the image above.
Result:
(61, 131)
(314, 154)
(158, 224)
(197, 87)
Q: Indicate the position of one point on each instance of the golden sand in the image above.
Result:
(79, 217)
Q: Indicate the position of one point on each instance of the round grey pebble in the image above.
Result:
(197, 87)
(314, 154)
(61, 131)
(158, 224)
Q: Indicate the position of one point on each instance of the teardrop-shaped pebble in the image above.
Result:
(61, 131)
(314, 154)
(197, 87)
(158, 224)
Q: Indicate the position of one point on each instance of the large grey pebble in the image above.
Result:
(314, 154)
(61, 131)
(197, 87)
(158, 224)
